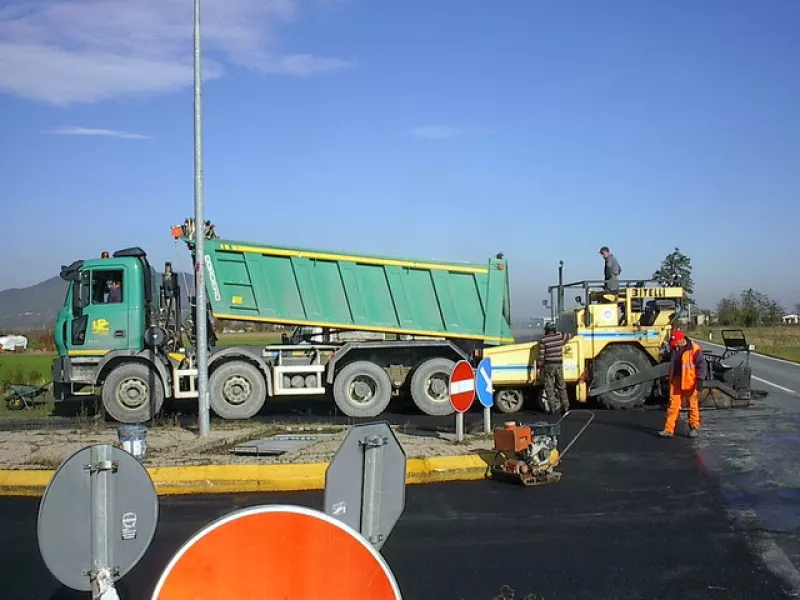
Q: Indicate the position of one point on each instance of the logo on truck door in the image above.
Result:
(100, 327)
(212, 277)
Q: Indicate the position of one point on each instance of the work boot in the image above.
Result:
(692, 432)
(665, 434)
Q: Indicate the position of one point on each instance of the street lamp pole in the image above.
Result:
(199, 230)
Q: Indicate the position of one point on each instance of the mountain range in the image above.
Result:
(36, 307)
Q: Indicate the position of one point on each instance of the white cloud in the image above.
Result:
(69, 51)
(72, 130)
(442, 132)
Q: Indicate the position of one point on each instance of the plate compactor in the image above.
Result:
(529, 454)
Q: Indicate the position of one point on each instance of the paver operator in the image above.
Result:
(687, 370)
(551, 357)
(612, 270)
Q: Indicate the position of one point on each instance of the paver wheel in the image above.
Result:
(509, 401)
(429, 386)
(237, 390)
(618, 362)
(362, 389)
(128, 391)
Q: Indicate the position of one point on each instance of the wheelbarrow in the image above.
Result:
(25, 396)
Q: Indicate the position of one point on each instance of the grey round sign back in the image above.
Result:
(64, 525)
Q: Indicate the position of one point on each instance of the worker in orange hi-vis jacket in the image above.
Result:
(686, 373)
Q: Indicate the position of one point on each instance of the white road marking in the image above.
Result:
(775, 385)
(457, 387)
(754, 353)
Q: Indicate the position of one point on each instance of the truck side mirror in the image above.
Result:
(80, 293)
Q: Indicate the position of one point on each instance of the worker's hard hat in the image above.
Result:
(676, 337)
(549, 328)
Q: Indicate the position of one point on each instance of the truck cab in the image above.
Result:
(120, 330)
(104, 308)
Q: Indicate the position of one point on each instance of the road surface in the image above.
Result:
(633, 517)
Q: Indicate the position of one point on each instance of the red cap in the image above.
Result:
(676, 337)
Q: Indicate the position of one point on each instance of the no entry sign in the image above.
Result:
(277, 551)
(462, 386)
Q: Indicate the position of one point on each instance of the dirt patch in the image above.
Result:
(171, 445)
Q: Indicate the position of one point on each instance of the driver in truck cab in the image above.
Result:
(114, 292)
(687, 370)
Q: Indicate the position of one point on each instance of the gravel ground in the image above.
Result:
(170, 445)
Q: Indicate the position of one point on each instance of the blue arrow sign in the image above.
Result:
(483, 382)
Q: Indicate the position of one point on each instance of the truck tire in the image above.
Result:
(237, 390)
(617, 362)
(128, 390)
(509, 401)
(429, 386)
(362, 389)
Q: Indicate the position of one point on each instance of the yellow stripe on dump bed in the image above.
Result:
(366, 328)
(360, 259)
(87, 352)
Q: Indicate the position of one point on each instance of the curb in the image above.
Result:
(226, 479)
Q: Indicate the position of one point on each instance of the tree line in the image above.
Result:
(750, 308)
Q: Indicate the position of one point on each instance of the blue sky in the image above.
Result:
(434, 129)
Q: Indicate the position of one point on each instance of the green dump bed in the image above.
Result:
(295, 286)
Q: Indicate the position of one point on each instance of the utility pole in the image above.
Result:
(199, 245)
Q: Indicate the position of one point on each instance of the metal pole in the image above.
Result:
(460, 427)
(370, 500)
(199, 221)
(487, 419)
(100, 470)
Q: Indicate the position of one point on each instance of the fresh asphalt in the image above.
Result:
(634, 516)
(752, 456)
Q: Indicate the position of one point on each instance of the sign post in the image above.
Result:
(96, 519)
(485, 391)
(200, 320)
(365, 483)
(462, 393)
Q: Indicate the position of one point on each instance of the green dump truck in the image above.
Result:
(377, 326)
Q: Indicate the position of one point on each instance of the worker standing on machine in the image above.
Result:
(551, 357)
(612, 270)
(687, 369)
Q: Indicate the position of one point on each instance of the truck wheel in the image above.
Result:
(429, 386)
(128, 391)
(509, 401)
(362, 389)
(237, 390)
(618, 362)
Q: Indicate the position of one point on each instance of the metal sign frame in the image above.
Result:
(365, 482)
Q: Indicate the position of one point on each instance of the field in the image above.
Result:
(31, 368)
(780, 342)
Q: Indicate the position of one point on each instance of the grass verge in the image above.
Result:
(779, 342)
